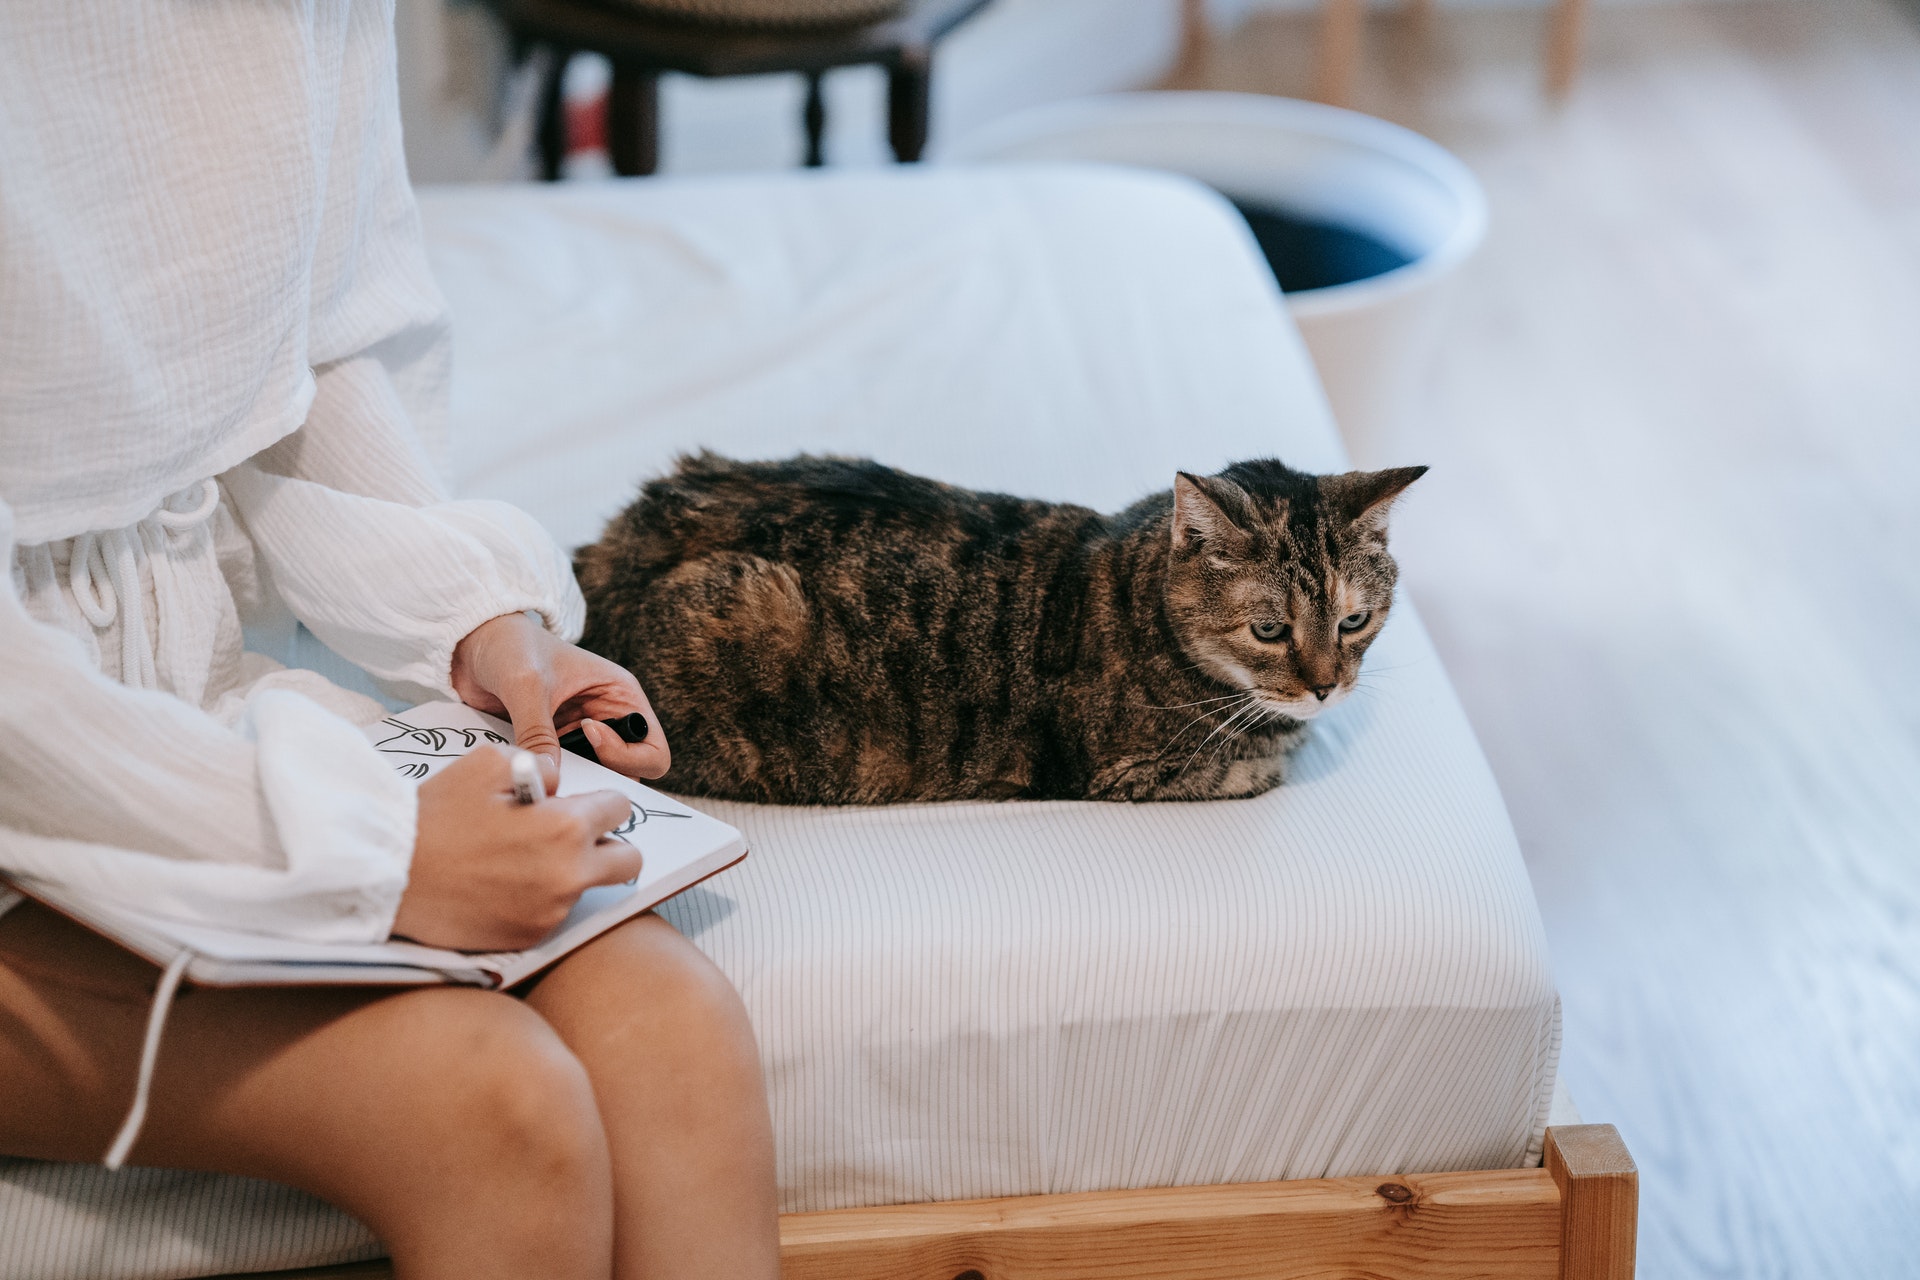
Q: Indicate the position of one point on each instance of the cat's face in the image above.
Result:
(1280, 580)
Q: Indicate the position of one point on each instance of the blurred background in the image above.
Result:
(1670, 547)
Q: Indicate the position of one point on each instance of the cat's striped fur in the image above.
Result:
(833, 631)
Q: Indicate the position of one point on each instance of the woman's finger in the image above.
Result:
(529, 706)
(610, 862)
(649, 758)
(605, 861)
(488, 766)
(602, 810)
(593, 813)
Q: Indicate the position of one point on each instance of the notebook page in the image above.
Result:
(678, 846)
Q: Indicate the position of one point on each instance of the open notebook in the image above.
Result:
(679, 847)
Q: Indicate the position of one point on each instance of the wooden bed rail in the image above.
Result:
(1599, 1201)
(1574, 1219)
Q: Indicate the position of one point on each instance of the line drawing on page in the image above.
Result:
(424, 743)
(637, 816)
(412, 740)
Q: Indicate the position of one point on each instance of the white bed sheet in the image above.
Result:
(1346, 976)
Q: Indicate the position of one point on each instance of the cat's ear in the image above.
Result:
(1200, 511)
(1364, 497)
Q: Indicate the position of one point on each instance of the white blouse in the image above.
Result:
(223, 366)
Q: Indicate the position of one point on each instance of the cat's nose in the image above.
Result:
(1321, 691)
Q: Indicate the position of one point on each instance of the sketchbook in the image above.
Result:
(679, 847)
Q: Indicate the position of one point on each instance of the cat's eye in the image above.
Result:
(1355, 621)
(1271, 632)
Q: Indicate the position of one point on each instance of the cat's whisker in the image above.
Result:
(1264, 710)
(1237, 723)
(1232, 737)
(1183, 731)
(1246, 721)
(1196, 720)
(1202, 745)
(1252, 702)
(1181, 706)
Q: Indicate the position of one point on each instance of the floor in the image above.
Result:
(1671, 551)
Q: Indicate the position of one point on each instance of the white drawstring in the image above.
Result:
(82, 577)
(197, 515)
(149, 1054)
(103, 571)
(104, 574)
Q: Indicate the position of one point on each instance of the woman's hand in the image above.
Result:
(512, 666)
(492, 874)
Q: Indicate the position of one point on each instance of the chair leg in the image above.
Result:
(815, 117)
(1339, 56)
(909, 94)
(633, 122)
(1194, 32)
(1563, 46)
(550, 127)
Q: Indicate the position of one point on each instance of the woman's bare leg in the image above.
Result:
(666, 1042)
(453, 1122)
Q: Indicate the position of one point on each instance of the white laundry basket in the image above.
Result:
(1373, 339)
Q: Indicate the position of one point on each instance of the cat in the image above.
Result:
(833, 631)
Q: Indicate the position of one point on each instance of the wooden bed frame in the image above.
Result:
(1573, 1219)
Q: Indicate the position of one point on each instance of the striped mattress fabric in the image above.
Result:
(1344, 976)
(79, 1222)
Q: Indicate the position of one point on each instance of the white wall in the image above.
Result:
(452, 73)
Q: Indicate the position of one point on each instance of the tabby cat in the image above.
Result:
(833, 631)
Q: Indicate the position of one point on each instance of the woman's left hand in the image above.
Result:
(513, 666)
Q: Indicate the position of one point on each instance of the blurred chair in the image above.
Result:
(1339, 54)
(1338, 57)
(641, 39)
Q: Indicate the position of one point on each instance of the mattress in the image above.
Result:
(1344, 976)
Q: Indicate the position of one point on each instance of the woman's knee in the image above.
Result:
(490, 1080)
(487, 1155)
(447, 1092)
(643, 989)
(485, 1135)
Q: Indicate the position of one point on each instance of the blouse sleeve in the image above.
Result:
(364, 546)
(288, 824)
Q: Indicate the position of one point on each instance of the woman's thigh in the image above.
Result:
(436, 1115)
(667, 1044)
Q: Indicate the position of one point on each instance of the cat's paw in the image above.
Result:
(1256, 775)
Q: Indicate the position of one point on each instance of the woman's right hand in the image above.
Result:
(491, 874)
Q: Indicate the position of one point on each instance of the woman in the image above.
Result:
(222, 368)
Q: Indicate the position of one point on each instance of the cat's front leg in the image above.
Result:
(1141, 781)
(1252, 776)
(1260, 771)
(1250, 772)
(1135, 780)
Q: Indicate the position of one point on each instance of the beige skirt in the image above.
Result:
(73, 1015)
(73, 1010)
